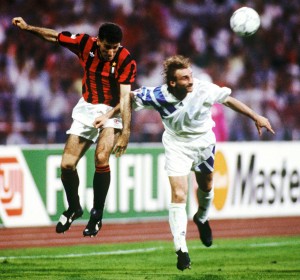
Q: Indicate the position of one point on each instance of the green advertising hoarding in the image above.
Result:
(139, 186)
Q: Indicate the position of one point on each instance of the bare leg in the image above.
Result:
(101, 180)
(102, 170)
(74, 149)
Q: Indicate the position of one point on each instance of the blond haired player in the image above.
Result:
(184, 104)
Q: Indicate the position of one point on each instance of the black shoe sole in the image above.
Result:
(90, 234)
(182, 268)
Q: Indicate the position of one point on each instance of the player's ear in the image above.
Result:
(172, 83)
(98, 41)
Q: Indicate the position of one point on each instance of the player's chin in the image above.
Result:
(190, 89)
(108, 58)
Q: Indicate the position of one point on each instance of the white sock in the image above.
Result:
(178, 225)
(205, 200)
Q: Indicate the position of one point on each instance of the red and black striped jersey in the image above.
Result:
(101, 80)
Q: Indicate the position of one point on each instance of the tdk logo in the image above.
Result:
(11, 186)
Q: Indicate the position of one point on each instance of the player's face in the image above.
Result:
(107, 50)
(183, 83)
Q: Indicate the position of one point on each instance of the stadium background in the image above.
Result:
(40, 83)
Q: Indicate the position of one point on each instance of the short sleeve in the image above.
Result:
(71, 41)
(129, 74)
(216, 94)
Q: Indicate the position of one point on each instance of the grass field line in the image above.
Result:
(276, 244)
(265, 244)
(150, 249)
(117, 252)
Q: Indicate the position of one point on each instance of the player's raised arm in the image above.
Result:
(46, 34)
(242, 108)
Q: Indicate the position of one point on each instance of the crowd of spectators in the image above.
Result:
(41, 82)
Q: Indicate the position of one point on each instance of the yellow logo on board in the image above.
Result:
(221, 181)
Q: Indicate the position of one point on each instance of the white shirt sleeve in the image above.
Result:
(215, 93)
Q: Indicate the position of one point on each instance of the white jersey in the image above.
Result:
(187, 119)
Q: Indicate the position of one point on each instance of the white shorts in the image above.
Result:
(84, 114)
(196, 155)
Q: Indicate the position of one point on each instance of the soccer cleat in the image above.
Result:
(204, 231)
(183, 260)
(94, 224)
(67, 218)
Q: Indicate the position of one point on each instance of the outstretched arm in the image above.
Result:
(242, 108)
(46, 34)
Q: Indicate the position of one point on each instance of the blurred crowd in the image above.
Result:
(41, 82)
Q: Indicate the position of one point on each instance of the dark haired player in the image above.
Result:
(109, 71)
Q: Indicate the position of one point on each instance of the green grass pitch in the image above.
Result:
(252, 258)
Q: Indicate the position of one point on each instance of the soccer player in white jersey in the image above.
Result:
(184, 104)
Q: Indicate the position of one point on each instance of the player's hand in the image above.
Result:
(261, 122)
(100, 121)
(20, 22)
(121, 144)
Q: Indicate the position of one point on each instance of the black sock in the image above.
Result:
(70, 181)
(101, 185)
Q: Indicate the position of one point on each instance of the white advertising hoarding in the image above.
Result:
(255, 179)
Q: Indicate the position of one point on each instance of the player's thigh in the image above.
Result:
(179, 188)
(178, 161)
(105, 144)
(75, 148)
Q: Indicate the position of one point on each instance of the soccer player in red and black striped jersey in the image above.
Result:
(109, 71)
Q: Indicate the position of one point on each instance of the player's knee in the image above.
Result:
(101, 159)
(67, 164)
(179, 196)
